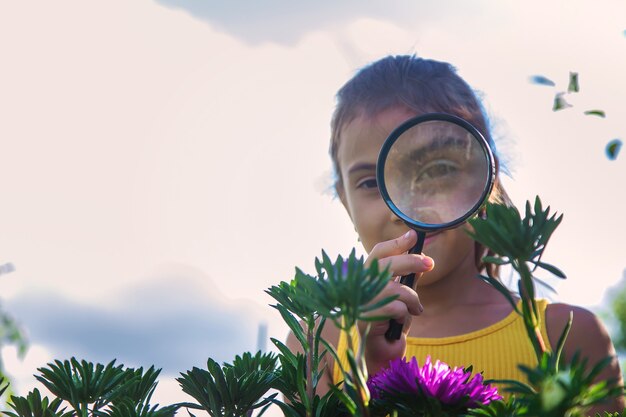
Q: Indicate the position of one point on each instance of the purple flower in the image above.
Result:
(344, 268)
(451, 386)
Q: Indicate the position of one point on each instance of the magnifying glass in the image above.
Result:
(434, 171)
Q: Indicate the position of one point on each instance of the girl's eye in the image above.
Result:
(367, 183)
(437, 170)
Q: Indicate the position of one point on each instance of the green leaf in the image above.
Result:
(551, 268)
(495, 260)
(544, 285)
(4, 382)
(561, 343)
(514, 386)
(502, 289)
(293, 324)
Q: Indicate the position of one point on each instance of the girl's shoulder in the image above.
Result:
(587, 336)
(585, 324)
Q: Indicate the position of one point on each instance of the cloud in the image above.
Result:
(285, 22)
(170, 321)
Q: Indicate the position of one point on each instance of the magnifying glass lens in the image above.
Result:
(436, 172)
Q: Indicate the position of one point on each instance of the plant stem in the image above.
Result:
(309, 369)
(361, 391)
(529, 305)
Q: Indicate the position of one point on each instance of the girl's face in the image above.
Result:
(359, 145)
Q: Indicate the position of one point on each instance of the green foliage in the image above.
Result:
(519, 242)
(514, 239)
(33, 405)
(234, 389)
(340, 291)
(92, 391)
(3, 385)
(129, 408)
(82, 384)
(618, 312)
(504, 408)
(10, 331)
(554, 389)
(299, 373)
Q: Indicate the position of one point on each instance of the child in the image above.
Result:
(450, 315)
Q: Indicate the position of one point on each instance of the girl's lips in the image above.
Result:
(430, 237)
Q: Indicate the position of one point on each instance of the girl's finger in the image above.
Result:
(407, 264)
(408, 297)
(407, 302)
(392, 247)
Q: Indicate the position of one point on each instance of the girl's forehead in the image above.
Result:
(364, 135)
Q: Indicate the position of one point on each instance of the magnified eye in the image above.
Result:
(438, 169)
(367, 183)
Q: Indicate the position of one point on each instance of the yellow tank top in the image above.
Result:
(495, 350)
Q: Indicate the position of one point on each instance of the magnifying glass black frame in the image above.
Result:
(395, 328)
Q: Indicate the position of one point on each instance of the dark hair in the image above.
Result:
(422, 86)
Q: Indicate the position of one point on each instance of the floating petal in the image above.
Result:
(540, 79)
(613, 148)
(560, 103)
(599, 113)
(573, 86)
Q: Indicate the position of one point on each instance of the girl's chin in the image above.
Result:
(433, 246)
(427, 278)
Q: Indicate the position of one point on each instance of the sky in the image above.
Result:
(164, 162)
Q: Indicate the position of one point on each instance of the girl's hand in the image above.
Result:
(394, 254)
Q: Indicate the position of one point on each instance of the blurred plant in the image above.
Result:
(554, 388)
(10, 332)
(617, 303)
(615, 314)
(92, 391)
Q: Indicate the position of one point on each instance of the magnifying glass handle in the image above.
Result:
(395, 328)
